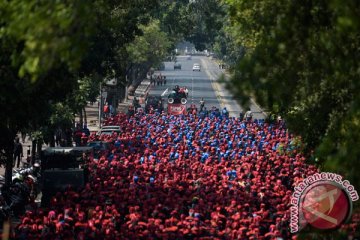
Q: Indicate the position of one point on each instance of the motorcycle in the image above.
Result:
(14, 198)
(30, 177)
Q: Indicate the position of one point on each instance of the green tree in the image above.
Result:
(40, 45)
(301, 62)
(45, 47)
(148, 49)
(115, 25)
(207, 18)
(196, 21)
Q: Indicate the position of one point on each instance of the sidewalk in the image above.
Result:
(92, 114)
(26, 146)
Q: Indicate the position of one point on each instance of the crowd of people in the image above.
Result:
(180, 177)
(159, 80)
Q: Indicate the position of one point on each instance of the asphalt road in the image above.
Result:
(202, 84)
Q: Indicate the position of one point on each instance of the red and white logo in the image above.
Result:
(322, 200)
(325, 205)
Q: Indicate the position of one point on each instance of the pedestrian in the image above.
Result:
(58, 135)
(131, 111)
(241, 115)
(136, 103)
(151, 79)
(202, 104)
(77, 135)
(111, 110)
(248, 115)
(164, 77)
(23, 136)
(186, 91)
(176, 89)
(68, 137)
(206, 112)
(86, 130)
(225, 112)
(18, 152)
(106, 110)
(158, 80)
(84, 139)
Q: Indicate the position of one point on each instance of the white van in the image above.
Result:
(108, 130)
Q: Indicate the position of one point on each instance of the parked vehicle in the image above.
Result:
(111, 127)
(177, 66)
(108, 130)
(31, 177)
(14, 198)
(64, 157)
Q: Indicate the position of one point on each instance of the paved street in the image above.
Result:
(202, 84)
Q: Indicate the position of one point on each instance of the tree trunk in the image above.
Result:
(39, 147)
(33, 152)
(85, 116)
(81, 118)
(7, 148)
(52, 140)
(8, 168)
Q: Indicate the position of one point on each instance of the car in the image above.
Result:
(110, 127)
(196, 67)
(177, 66)
(188, 57)
(109, 130)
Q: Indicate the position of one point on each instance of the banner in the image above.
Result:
(176, 109)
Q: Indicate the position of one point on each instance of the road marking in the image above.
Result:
(164, 93)
(216, 87)
(259, 108)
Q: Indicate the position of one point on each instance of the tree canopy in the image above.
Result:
(46, 47)
(301, 61)
(151, 47)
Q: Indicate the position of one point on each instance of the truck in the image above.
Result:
(177, 100)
